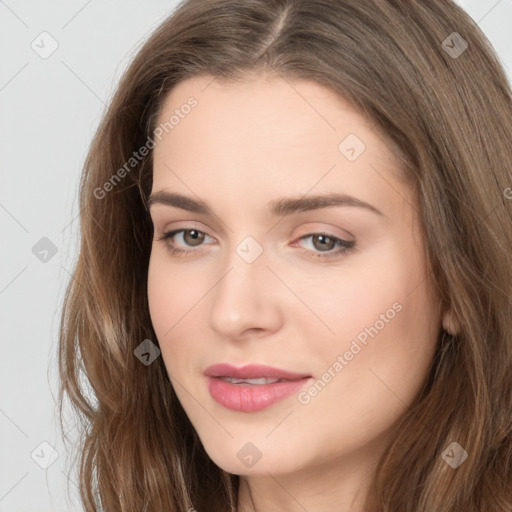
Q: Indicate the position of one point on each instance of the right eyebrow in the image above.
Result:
(179, 201)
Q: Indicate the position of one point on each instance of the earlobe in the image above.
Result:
(450, 323)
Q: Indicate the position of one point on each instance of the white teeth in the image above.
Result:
(256, 382)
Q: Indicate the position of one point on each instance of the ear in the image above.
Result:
(450, 323)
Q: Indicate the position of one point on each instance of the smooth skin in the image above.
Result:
(245, 144)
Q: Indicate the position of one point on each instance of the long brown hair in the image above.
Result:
(448, 109)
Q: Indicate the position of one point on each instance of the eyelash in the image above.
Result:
(344, 245)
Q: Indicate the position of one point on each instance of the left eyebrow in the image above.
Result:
(278, 207)
(288, 206)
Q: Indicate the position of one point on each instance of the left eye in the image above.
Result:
(323, 245)
(325, 242)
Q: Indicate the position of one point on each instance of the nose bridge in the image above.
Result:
(244, 298)
(247, 262)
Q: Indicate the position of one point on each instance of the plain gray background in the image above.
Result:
(50, 107)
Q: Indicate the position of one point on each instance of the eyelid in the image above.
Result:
(171, 233)
(342, 244)
(317, 228)
(184, 225)
(162, 222)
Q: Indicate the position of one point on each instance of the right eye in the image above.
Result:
(190, 237)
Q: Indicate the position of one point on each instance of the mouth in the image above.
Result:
(261, 381)
(252, 388)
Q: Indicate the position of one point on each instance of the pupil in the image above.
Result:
(322, 239)
(195, 235)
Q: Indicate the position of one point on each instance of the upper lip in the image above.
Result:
(251, 371)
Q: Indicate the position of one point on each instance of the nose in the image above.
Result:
(247, 300)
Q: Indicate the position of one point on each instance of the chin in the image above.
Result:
(243, 457)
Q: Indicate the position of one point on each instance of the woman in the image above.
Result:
(293, 286)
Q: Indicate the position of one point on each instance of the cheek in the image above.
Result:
(173, 290)
(377, 378)
(161, 296)
(352, 297)
(177, 297)
(386, 324)
(171, 296)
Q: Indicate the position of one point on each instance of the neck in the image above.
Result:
(338, 486)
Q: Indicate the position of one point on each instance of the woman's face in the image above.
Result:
(273, 274)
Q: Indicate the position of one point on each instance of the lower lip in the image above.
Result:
(252, 398)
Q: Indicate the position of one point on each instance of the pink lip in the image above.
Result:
(248, 397)
(251, 371)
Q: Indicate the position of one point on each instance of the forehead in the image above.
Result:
(262, 107)
(265, 133)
